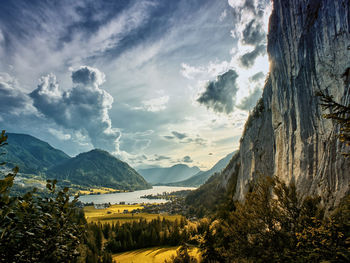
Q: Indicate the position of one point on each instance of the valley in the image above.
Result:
(189, 131)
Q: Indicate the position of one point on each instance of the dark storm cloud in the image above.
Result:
(187, 159)
(169, 137)
(219, 95)
(249, 102)
(248, 59)
(249, 4)
(11, 98)
(84, 107)
(179, 135)
(256, 77)
(88, 76)
(253, 33)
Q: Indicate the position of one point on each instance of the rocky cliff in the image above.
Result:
(286, 136)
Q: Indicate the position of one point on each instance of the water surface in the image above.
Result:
(132, 197)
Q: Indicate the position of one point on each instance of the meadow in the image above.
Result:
(151, 255)
(116, 213)
(100, 190)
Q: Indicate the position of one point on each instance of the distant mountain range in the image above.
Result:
(94, 168)
(178, 172)
(201, 177)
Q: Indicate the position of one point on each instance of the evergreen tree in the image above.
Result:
(340, 114)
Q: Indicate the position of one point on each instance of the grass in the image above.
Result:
(100, 190)
(151, 255)
(115, 213)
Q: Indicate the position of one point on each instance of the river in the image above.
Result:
(132, 197)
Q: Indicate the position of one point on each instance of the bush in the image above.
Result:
(35, 228)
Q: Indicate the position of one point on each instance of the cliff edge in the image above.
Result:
(286, 135)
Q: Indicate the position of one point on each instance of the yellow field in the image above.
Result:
(101, 190)
(151, 255)
(115, 213)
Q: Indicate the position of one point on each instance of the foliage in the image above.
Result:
(143, 234)
(182, 256)
(275, 224)
(41, 228)
(340, 114)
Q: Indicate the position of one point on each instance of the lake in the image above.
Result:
(132, 197)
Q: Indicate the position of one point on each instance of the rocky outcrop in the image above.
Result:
(286, 136)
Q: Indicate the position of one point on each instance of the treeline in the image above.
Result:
(143, 234)
(169, 196)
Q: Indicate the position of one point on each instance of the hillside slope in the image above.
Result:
(178, 172)
(286, 135)
(30, 154)
(201, 177)
(98, 168)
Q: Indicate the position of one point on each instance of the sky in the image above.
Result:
(154, 82)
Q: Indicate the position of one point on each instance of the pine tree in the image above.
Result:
(340, 114)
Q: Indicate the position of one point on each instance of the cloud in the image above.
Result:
(251, 30)
(223, 15)
(198, 140)
(253, 33)
(179, 135)
(249, 102)
(185, 138)
(154, 105)
(161, 158)
(84, 107)
(134, 143)
(12, 100)
(257, 77)
(60, 134)
(88, 76)
(219, 95)
(248, 59)
(187, 159)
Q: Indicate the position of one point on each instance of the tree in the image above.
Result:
(35, 228)
(275, 224)
(182, 256)
(340, 114)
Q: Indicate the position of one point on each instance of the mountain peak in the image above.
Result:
(99, 168)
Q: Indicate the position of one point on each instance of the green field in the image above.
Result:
(116, 213)
(151, 255)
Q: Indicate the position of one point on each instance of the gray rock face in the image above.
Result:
(286, 136)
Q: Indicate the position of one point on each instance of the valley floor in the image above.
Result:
(122, 213)
(151, 255)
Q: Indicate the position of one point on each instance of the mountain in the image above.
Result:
(201, 177)
(30, 154)
(286, 135)
(178, 172)
(98, 168)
